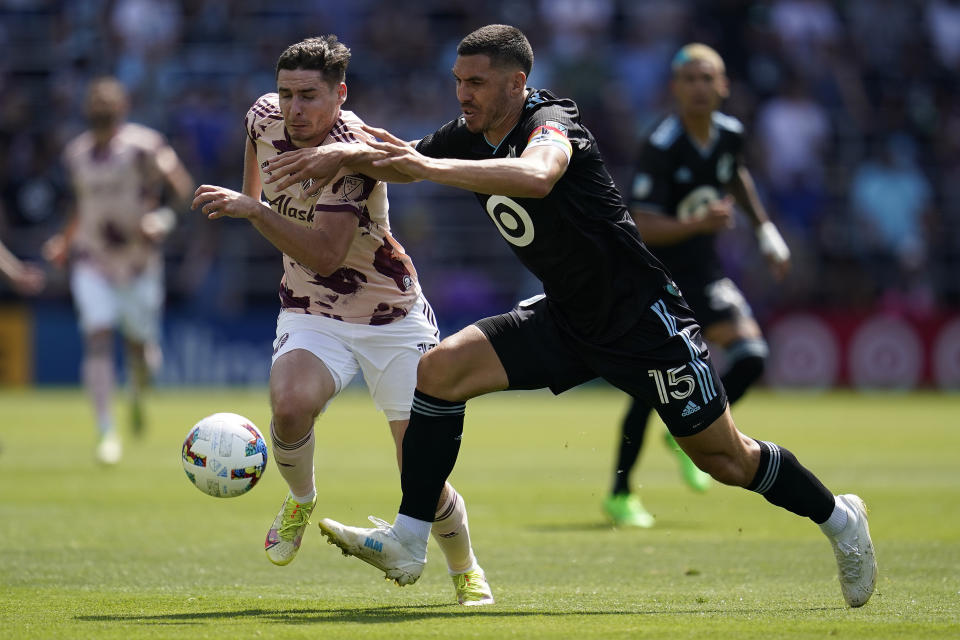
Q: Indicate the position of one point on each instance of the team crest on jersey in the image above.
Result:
(352, 188)
(306, 184)
(725, 168)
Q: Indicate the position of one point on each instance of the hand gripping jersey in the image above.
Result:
(113, 188)
(579, 240)
(377, 282)
(677, 177)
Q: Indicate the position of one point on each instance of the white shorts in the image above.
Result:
(133, 307)
(386, 354)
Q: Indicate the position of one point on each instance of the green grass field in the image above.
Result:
(136, 552)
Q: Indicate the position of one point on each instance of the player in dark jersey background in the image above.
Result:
(610, 308)
(689, 174)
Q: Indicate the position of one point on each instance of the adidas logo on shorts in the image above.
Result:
(692, 407)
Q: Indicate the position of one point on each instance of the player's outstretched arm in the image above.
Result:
(772, 245)
(658, 229)
(25, 278)
(532, 175)
(322, 164)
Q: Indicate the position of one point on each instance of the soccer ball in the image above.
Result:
(224, 455)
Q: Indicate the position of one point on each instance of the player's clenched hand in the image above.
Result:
(56, 250)
(779, 267)
(719, 216)
(218, 202)
(319, 164)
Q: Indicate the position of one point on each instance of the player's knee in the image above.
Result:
(436, 371)
(98, 344)
(293, 408)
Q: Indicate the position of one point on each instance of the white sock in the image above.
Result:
(452, 532)
(419, 529)
(304, 499)
(98, 378)
(295, 464)
(837, 520)
(413, 534)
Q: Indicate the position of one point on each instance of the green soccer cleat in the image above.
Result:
(626, 510)
(472, 588)
(694, 477)
(284, 537)
(138, 423)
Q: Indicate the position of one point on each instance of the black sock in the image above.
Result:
(747, 358)
(631, 442)
(783, 481)
(430, 447)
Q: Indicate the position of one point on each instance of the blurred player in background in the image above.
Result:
(350, 298)
(120, 174)
(610, 309)
(684, 167)
(26, 279)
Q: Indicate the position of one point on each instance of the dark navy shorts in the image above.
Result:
(715, 301)
(663, 361)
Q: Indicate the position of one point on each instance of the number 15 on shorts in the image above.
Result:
(673, 384)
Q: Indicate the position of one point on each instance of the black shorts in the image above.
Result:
(714, 301)
(663, 360)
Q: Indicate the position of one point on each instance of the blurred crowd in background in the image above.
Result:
(851, 108)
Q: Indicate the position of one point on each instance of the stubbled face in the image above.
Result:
(486, 94)
(699, 88)
(309, 103)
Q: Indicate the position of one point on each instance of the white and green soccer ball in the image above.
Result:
(224, 455)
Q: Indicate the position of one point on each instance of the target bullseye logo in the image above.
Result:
(512, 220)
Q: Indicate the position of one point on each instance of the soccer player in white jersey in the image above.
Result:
(350, 298)
(119, 172)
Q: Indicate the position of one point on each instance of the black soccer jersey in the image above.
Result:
(676, 177)
(579, 240)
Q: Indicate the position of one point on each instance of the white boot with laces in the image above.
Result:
(853, 549)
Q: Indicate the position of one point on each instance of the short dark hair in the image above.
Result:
(505, 45)
(325, 54)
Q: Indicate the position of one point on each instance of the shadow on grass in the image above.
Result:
(601, 525)
(387, 614)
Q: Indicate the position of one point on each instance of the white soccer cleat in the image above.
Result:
(854, 552)
(109, 450)
(379, 547)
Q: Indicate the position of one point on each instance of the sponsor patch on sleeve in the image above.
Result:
(551, 133)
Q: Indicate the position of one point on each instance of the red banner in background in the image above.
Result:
(864, 350)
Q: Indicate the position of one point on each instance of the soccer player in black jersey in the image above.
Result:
(610, 309)
(685, 164)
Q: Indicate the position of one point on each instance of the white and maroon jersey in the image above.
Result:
(113, 188)
(377, 283)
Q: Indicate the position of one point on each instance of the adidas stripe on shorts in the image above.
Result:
(663, 360)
